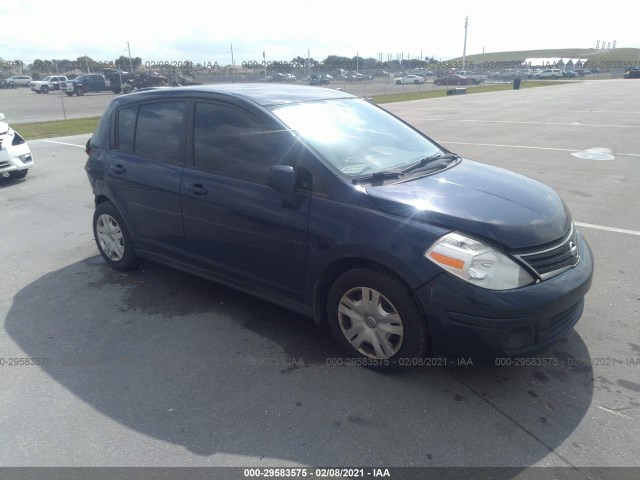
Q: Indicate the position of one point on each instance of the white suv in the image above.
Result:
(15, 156)
(52, 82)
(550, 73)
(19, 80)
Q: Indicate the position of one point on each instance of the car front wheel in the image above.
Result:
(373, 316)
(113, 238)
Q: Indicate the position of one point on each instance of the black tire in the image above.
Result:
(80, 91)
(114, 241)
(38, 92)
(18, 174)
(44, 89)
(398, 82)
(393, 303)
(69, 94)
(416, 82)
(126, 89)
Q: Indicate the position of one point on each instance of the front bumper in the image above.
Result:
(15, 154)
(466, 321)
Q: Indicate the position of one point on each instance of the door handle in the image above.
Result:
(197, 188)
(118, 169)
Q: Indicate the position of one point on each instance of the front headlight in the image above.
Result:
(477, 263)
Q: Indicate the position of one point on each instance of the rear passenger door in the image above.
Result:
(236, 225)
(145, 170)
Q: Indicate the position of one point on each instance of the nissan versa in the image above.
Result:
(328, 205)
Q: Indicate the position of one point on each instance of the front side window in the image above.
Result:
(231, 142)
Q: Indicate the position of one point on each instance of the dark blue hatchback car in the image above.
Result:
(328, 205)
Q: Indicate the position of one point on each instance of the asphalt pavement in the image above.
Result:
(160, 368)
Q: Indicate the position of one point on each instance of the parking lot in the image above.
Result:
(159, 368)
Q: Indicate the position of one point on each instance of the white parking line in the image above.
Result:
(530, 147)
(608, 229)
(64, 143)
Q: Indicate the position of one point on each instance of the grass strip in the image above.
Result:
(56, 128)
(405, 97)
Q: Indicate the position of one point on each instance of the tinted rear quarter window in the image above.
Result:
(153, 130)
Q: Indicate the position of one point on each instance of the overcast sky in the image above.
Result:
(204, 31)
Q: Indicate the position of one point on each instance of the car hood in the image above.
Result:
(510, 209)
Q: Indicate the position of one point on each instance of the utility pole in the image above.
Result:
(233, 66)
(464, 51)
(130, 61)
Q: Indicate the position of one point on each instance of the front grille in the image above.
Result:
(556, 259)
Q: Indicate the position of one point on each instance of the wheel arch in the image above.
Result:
(335, 269)
(101, 198)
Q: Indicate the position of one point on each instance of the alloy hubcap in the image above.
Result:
(370, 323)
(110, 237)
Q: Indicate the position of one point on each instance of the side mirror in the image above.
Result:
(282, 178)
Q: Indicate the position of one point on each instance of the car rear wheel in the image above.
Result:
(80, 91)
(113, 238)
(374, 317)
(69, 94)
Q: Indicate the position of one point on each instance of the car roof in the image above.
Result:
(263, 95)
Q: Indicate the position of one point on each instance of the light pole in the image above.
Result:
(464, 50)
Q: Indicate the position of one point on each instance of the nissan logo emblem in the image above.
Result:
(574, 249)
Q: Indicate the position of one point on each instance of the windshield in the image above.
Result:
(355, 136)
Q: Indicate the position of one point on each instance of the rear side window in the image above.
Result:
(153, 130)
(127, 128)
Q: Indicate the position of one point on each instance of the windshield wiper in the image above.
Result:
(377, 176)
(426, 160)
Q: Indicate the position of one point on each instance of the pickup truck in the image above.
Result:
(87, 82)
(474, 79)
(52, 82)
